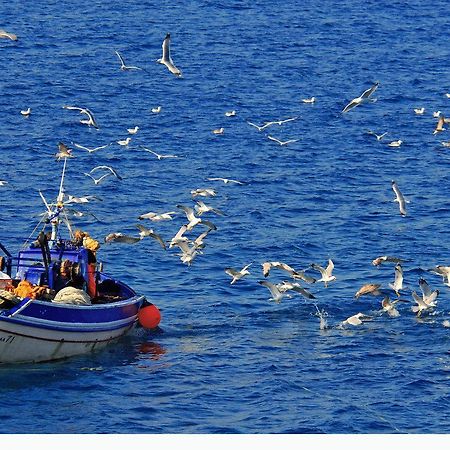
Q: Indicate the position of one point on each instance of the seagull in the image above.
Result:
(368, 289)
(444, 272)
(326, 273)
(159, 156)
(440, 125)
(156, 110)
(193, 220)
(218, 131)
(237, 275)
(97, 181)
(446, 144)
(201, 208)
(309, 100)
(198, 241)
(428, 296)
(133, 130)
(389, 307)
(121, 238)
(155, 217)
(166, 59)
(419, 111)
(226, 180)
(3, 182)
(395, 143)
(91, 150)
(148, 232)
(381, 259)
(266, 266)
(85, 199)
(378, 136)
(421, 305)
(273, 122)
(356, 319)
(5, 35)
(437, 114)
(399, 198)
(230, 113)
(90, 121)
(447, 95)
(26, 112)
(288, 286)
(363, 98)
(397, 285)
(290, 141)
(123, 66)
(178, 238)
(124, 142)
(274, 289)
(107, 168)
(64, 151)
(203, 192)
(188, 253)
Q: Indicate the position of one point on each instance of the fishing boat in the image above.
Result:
(56, 301)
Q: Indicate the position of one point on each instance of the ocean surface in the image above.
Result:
(226, 358)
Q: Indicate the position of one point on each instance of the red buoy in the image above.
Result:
(149, 316)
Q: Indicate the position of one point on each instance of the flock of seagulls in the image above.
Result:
(191, 243)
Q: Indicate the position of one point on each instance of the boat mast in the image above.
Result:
(54, 217)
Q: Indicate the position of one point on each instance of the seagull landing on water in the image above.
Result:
(326, 273)
(389, 306)
(363, 98)
(237, 274)
(123, 66)
(399, 198)
(166, 59)
(356, 319)
(90, 121)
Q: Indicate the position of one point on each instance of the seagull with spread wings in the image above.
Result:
(123, 66)
(90, 121)
(363, 98)
(166, 59)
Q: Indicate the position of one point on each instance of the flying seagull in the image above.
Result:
(166, 59)
(107, 168)
(397, 285)
(363, 98)
(123, 66)
(368, 289)
(63, 151)
(158, 155)
(225, 180)
(237, 274)
(91, 150)
(356, 319)
(326, 273)
(381, 259)
(90, 121)
(378, 136)
(289, 141)
(144, 232)
(399, 198)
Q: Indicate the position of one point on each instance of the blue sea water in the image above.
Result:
(226, 359)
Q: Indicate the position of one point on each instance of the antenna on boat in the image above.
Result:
(54, 216)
